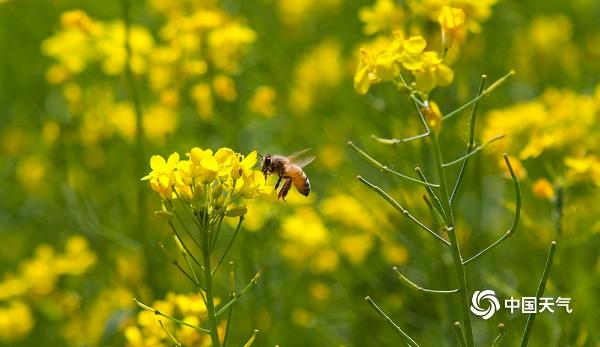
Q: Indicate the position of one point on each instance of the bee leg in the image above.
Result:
(286, 188)
(278, 182)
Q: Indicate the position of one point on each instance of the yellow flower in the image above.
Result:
(76, 19)
(432, 72)
(452, 22)
(229, 177)
(543, 189)
(162, 176)
(375, 68)
(16, 321)
(383, 16)
(202, 97)
(227, 43)
(224, 87)
(356, 247)
(318, 71)
(262, 101)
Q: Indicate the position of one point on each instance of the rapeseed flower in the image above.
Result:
(383, 16)
(222, 180)
(452, 22)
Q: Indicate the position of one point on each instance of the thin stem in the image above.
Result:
(401, 209)
(178, 321)
(398, 141)
(382, 167)
(407, 338)
(231, 297)
(485, 93)
(455, 247)
(459, 334)
(435, 213)
(472, 153)
(539, 293)
(500, 335)
(183, 244)
(194, 281)
(430, 190)
(471, 143)
(253, 282)
(418, 288)
(237, 230)
(252, 338)
(515, 222)
(169, 334)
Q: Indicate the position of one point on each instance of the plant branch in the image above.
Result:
(401, 209)
(175, 320)
(472, 153)
(500, 335)
(194, 281)
(430, 191)
(237, 230)
(515, 222)
(539, 293)
(485, 93)
(471, 143)
(398, 141)
(459, 334)
(407, 338)
(382, 167)
(183, 244)
(418, 288)
(253, 282)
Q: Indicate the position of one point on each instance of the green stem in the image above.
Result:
(456, 257)
(407, 338)
(485, 93)
(208, 280)
(513, 227)
(471, 144)
(538, 295)
(382, 167)
(401, 209)
(500, 335)
(173, 319)
(473, 152)
(459, 335)
(418, 288)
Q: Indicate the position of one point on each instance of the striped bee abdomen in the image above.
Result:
(301, 183)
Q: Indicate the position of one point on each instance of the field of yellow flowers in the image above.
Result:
(453, 195)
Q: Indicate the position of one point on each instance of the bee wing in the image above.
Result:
(295, 156)
(303, 161)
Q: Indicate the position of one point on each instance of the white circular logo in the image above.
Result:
(479, 298)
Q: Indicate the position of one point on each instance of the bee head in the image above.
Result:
(266, 167)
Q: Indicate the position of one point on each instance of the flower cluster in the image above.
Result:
(150, 330)
(339, 229)
(194, 57)
(222, 180)
(537, 129)
(476, 11)
(37, 278)
(384, 63)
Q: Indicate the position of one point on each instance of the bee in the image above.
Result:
(289, 169)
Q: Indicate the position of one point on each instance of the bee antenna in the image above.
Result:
(261, 157)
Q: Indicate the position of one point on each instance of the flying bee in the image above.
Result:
(289, 169)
